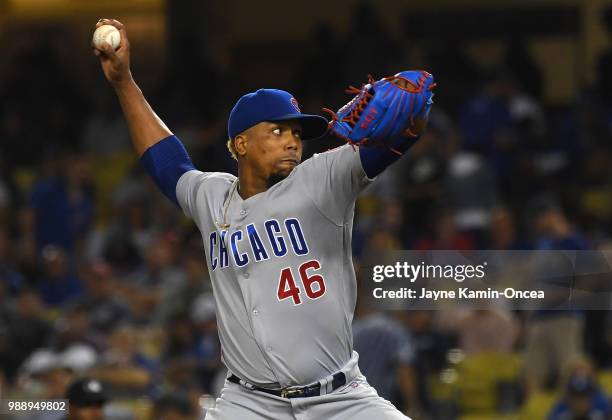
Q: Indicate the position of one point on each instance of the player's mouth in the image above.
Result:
(293, 161)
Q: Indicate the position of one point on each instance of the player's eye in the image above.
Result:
(277, 131)
(297, 134)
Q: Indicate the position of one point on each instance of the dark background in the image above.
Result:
(101, 276)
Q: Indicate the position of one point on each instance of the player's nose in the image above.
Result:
(292, 140)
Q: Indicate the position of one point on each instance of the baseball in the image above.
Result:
(106, 33)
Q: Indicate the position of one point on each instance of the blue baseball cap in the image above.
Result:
(272, 105)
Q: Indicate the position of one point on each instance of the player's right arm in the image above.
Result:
(146, 128)
(160, 152)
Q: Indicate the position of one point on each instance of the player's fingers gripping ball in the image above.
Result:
(384, 109)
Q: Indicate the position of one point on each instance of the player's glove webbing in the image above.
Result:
(384, 109)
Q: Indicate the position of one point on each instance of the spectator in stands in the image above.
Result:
(185, 293)
(123, 366)
(61, 208)
(208, 348)
(431, 347)
(159, 275)
(190, 352)
(47, 373)
(59, 285)
(583, 399)
(11, 279)
(485, 115)
(481, 330)
(554, 334)
(445, 236)
(73, 328)
(86, 399)
(423, 173)
(175, 407)
(552, 227)
(504, 234)
(23, 330)
(470, 192)
(105, 307)
(386, 356)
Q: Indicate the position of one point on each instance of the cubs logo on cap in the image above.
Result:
(294, 102)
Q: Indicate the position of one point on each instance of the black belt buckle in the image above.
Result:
(291, 393)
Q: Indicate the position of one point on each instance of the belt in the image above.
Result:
(314, 390)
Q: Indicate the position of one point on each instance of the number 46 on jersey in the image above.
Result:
(311, 283)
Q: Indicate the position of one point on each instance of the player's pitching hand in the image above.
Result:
(115, 63)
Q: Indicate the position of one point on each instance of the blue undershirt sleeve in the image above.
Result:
(376, 159)
(165, 162)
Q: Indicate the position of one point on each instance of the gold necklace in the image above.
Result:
(224, 224)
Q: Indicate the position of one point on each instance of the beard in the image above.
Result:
(276, 178)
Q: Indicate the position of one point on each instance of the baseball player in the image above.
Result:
(278, 247)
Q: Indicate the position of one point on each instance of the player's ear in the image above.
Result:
(240, 143)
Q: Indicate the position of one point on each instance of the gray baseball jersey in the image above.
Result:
(282, 271)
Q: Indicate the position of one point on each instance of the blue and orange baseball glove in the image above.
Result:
(385, 109)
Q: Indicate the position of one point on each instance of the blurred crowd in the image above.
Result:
(101, 277)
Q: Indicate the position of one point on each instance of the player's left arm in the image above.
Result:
(376, 159)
